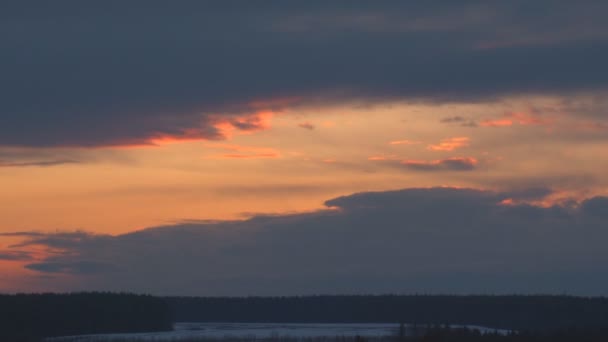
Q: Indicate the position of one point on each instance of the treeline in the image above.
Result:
(30, 317)
(434, 334)
(538, 313)
(467, 335)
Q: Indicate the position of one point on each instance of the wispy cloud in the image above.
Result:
(243, 124)
(250, 156)
(496, 123)
(450, 144)
(306, 125)
(459, 120)
(42, 163)
(243, 152)
(15, 255)
(520, 118)
(404, 142)
(448, 164)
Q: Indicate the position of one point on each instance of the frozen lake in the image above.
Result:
(185, 330)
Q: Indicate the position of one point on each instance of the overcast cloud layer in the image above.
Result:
(414, 240)
(116, 73)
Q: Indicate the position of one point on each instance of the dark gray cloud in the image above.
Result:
(119, 73)
(448, 164)
(78, 267)
(15, 256)
(597, 207)
(414, 240)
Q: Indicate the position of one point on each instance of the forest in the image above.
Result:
(433, 334)
(538, 313)
(29, 317)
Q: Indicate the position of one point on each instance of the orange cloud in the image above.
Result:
(189, 135)
(496, 123)
(450, 144)
(243, 152)
(377, 158)
(404, 142)
(520, 118)
(245, 124)
(251, 156)
(507, 202)
(222, 127)
(527, 119)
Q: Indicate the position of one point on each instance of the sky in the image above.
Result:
(307, 147)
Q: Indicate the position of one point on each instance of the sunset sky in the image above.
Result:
(305, 147)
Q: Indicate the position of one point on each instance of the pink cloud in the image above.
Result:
(496, 123)
(450, 144)
(521, 118)
(244, 124)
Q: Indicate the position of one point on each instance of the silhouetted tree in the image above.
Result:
(29, 317)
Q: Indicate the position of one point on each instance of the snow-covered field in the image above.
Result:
(220, 331)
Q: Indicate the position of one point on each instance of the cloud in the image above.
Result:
(453, 119)
(44, 163)
(426, 240)
(249, 156)
(382, 158)
(404, 142)
(23, 234)
(496, 123)
(461, 121)
(243, 152)
(448, 164)
(79, 267)
(77, 76)
(15, 256)
(450, 144)
(596, 207)
(306, 125)
(521, 118)
(526, 119)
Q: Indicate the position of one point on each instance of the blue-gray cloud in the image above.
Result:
(77, 267)
(15, 256)
(122, 73)
(41, 163)
(413, 240)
